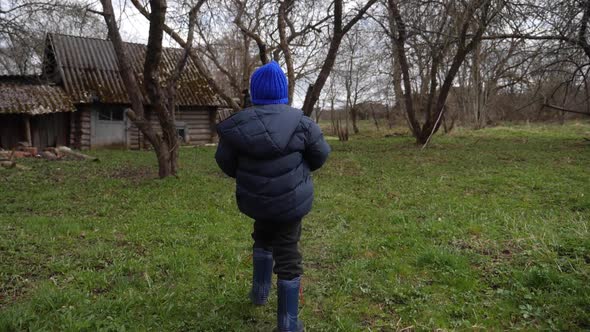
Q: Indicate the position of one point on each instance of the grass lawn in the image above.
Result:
(483, 230)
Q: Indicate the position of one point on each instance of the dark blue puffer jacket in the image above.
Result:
(271, 151)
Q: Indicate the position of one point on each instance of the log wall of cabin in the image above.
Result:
(200, 122)
(80, 128)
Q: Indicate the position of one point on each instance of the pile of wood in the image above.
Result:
(62, 152)
(7, 158)
(21, 151)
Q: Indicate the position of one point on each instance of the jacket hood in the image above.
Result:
(262, 131)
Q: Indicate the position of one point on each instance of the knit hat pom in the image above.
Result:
(268, 85)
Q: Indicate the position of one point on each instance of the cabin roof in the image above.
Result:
(30, 95)
(88, 70)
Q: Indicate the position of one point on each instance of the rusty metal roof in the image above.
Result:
(89, 70)
(32, 96)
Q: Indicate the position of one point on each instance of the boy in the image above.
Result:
(271, 149)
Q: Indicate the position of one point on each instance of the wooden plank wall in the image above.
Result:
(49, 130)
(12, 130)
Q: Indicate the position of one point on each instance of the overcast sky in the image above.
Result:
(133, 26)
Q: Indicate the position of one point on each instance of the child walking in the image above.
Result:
(271, 150)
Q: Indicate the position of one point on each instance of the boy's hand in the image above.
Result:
(316, 148)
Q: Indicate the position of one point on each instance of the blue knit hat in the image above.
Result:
(268, 85)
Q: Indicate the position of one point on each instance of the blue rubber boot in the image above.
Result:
(261, 277)
(288, 306)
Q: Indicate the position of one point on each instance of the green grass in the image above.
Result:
(482, 230)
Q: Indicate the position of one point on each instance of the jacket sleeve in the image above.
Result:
(226, 158)
(316, 149)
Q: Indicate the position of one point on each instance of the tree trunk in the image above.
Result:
(28, 136)
(164, 161)
(244, 91)
(422, 138)
(375, 118)
(161, 96)
(333, 118)
(477, 89)
(354, 117)
(284, 45)
(398, 43)
(437, 97)
(389, 116)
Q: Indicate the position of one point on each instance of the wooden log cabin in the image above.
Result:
(80, 100)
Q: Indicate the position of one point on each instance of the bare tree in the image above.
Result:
(23, 25)
(442, 35)
(161, 94)
(339, 30)
(563, 20)
(278, 30)
(338, 118)
(357, 69)
(288, 30)
(560, 30)
(193, 55)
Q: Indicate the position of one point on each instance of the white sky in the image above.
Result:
(133, 26)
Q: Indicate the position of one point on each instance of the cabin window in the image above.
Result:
(110, 114)
(182, 131)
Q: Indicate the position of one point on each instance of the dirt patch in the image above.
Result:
(100, 291)
(486, 247)
(347, 167)
(134, 174)
(137, 248)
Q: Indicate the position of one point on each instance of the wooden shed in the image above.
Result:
(34, 112)
(83, 72)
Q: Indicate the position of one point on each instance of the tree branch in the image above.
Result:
(314, 90)
(284, 45)
(153, 54)
(358, 16)
(182, 61)
(565, 109)
(196, 59)
(262, 47)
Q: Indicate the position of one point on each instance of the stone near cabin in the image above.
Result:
(49, 155)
